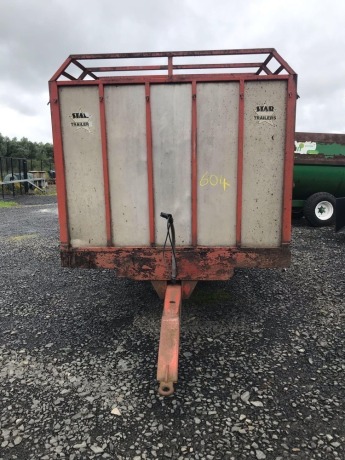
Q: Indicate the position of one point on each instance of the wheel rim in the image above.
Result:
(324, 210)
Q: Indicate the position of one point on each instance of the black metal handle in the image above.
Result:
(171, 237)
(167, 216)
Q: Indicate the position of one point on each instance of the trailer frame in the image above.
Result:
(195, 262)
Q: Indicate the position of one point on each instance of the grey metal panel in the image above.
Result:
(217, 128)
(263, 165)
(171, 108)
(80, 120)
(126, 136)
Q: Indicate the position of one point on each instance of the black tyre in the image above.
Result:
(319, 209)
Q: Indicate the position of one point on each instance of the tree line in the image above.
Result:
(24, 148)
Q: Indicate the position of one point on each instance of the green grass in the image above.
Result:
(7, 204)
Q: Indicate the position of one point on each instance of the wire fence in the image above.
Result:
(23, 169)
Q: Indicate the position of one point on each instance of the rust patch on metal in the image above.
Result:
(160, 287)
(193, 264)
(188, 288)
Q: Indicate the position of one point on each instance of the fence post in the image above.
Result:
(2, 178)
(20, 172)
(12, 177)
(25, 170)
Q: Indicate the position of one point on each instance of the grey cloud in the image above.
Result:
(36, 36)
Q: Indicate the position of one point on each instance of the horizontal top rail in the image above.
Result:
(259, 61)
(326, 138)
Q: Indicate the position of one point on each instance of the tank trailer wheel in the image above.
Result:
(319, 209)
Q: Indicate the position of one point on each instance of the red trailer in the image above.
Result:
(204, 139)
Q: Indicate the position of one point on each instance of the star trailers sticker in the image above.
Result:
(81, 120)
(265, 114)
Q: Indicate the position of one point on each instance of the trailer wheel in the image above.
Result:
(319, 209)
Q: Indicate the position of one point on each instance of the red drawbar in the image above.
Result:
(167, 369)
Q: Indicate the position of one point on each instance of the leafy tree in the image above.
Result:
(24, 148)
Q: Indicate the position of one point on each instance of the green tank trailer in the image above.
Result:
(319, 178)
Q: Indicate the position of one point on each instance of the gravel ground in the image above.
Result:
(261, 363)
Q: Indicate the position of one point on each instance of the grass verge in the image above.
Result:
(7, 204)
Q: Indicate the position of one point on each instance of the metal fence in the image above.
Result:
(15, 169)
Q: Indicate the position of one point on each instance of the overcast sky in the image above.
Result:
(36, 36)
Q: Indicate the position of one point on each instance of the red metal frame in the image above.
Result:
(151, 198)
(194, 266)
(240, 164)
(59, 164)
(187, 288)
(142, 79)
(105, 165)
(269, 54)
(194, 168)
(289, 159)
(194, 262)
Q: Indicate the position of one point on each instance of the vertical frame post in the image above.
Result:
(289, 159)
(194, 168)
(59, 163)
(170, 66)
(150, 164)
(240, 164)
(105, 164)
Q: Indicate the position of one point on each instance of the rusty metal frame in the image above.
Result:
(194, 262)
(161, 287)
(258, 67)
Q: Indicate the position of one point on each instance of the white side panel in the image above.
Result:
(217, 131)
(171, 108)
(263, 163)
(80, 120)
(126, 135)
